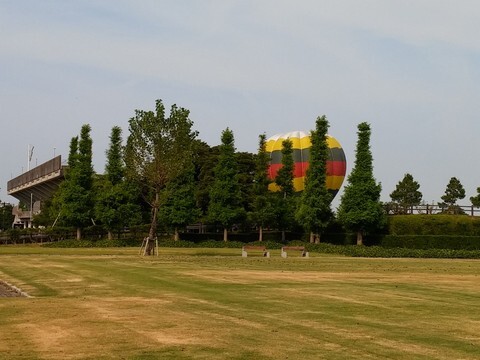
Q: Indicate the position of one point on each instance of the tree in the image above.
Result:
(314, 212)
(158, 147)
(453, 192)
(6, 217)
(286, 201)
(180, 207)
(284, 178)
(406, 194)
(205, 160)
(246, 162)
(74, 199)
(115, 205)
(115, 166)
(262, 212)
(476, 199)
(225, 196)
(360, 209)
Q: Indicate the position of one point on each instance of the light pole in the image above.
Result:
(31, 209)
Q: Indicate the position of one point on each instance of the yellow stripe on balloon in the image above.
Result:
(299, 183)
(333, 143)
(334, 182)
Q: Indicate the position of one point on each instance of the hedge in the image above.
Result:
(434, 225)
(431, 242)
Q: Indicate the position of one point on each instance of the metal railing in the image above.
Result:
(432, 209)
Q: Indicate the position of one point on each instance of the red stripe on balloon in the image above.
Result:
(334, 168)
(273, 170)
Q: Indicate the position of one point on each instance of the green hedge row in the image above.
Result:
(344, 250)
(458, 225)
(103, 243)
(382, 252)
(431, 242)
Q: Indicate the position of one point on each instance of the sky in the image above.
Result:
(410, 68)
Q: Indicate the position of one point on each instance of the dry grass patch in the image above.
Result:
(180, 306)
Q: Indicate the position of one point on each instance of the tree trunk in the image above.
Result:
(317, 238)
(79, 233)
(150, 247)
(176, 236)
(260, 233)
(283, 235)
(359, 238)
(225, 234)
(109, 235)
(312, 237)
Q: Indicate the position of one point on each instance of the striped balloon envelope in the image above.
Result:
(336, 163)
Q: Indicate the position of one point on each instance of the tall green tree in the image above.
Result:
(262, 213)
(246, 176)
(115, 205)
(115, 165)
(406, 194)
(360, 208)
(225, 206)
(454, 191)
(75, 198)
(205, 160)
(314, 212)
(180, 208)
(285, 204)
(284, 178)
(158, 147)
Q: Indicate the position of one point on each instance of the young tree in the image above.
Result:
(180, 207)
(157, 150)
(262, 213)
(75, 196)
(286, 201)
(314, 212)
(360, 209)
(454, 191)
(406, 194)
(225, 195)
(115, 205)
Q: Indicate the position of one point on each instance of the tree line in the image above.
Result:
(166, 176)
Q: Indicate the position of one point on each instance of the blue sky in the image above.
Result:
(409, 68)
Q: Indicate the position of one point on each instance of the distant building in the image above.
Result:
(33, 187)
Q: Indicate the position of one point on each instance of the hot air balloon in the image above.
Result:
(336, 163)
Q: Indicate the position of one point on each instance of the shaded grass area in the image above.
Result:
(213, 304)
(393, 249)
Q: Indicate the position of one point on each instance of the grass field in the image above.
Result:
(214, 304)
